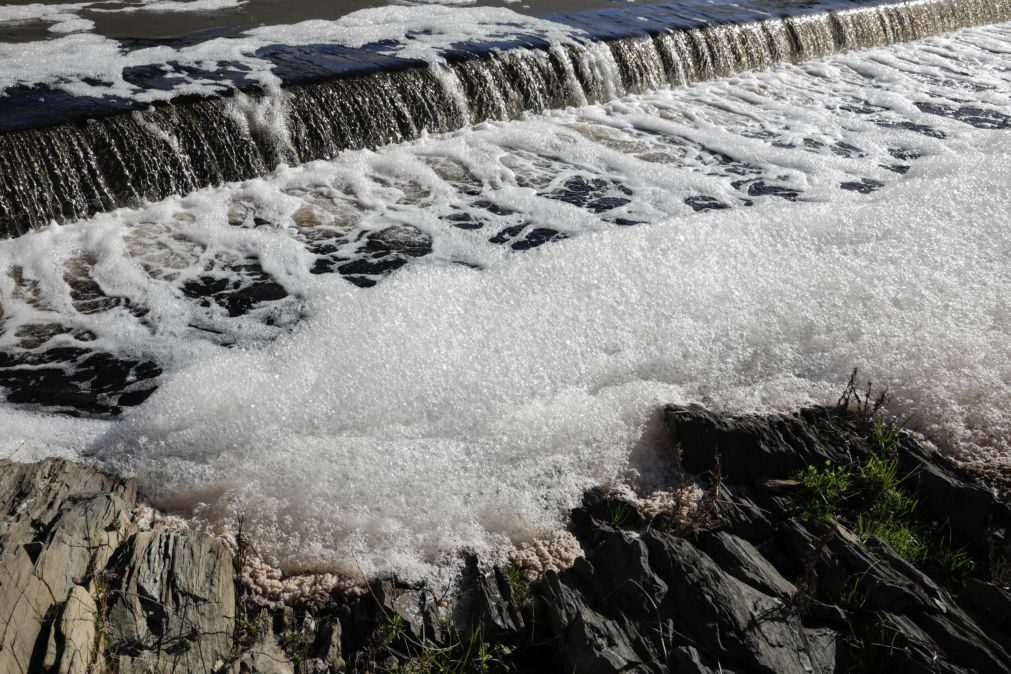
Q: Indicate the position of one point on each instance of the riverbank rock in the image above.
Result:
(82, 590)
(753, 584)
(61, 523)
(171, 603)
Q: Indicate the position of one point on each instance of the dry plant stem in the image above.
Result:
(866, 404)
(702, 515)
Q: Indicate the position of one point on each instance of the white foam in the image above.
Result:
(63, 12)
(69, 23)
(28, 437)
(36, 11)
(164, 6)
(434, 2)
(87, 64)
(451, 408)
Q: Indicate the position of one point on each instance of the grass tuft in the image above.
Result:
(873, 498)
(827, 489)
(519, 584)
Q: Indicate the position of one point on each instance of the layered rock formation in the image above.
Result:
(754, 583)
(82, 590)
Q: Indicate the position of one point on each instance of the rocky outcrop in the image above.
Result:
(652, 602)
(755, 585)
(766, 589)
(171, 604)
(82, 590)
(754, 449)
(61, 524)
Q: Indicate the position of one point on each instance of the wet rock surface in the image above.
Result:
(752, 585)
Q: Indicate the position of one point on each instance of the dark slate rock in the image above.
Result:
(950, 497)
(486, 603)
(585, 640)
(754, 448)
(744, 562)
(990, 606)
(741, 516)
(733, 622)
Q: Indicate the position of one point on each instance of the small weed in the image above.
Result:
(871, 496)
(898, 535)
(687, 518)
(879, 476)
(519, 584)
(884, 434)
(868, 496)
(873, 643)
(827, 489)
(248, 627)
(618, 513)
(878, 485)
(392, 643)
(999, 563)
(394, 630)
(852, 596)
(953, 562)
(866, 404)
(294, 643)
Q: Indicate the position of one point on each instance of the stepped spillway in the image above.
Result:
(89, 149)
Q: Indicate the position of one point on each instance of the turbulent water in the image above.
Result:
(368, 359)
(434, 76)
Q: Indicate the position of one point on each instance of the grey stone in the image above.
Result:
(328, 645)
(732, 621)
(59, 523)
(990, 606)
(587, 641)
(485, 603)
(173, 604)
(72, 642)
(264, 657)
(755, 448)
(744, 562)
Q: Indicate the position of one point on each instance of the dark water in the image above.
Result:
(175, 27)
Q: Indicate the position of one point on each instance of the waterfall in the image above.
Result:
(73, 169)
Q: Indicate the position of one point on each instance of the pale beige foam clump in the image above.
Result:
(149, 518)
(264, 584)
(679, 503)
(267, 585)
(555, 552)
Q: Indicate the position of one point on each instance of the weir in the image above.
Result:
(93, 155)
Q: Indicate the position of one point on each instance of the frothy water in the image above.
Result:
(308, 91)
(524, 295)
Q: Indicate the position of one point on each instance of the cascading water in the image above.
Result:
(74, 169)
